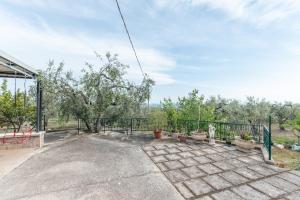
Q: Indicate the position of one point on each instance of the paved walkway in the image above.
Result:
(222, 172)
(88, 168)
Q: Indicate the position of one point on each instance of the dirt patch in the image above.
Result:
(286, 158)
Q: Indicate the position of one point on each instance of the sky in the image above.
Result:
(232, 48)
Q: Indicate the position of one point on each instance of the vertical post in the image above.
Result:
(78, 126)
(270, 138)
(38, 106)
(104, 120)
(44, 122)
(199, 115)
(131, 125)
(41, 107)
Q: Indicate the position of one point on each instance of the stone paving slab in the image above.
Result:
(267, 188)
(173, 164)
(217, 182)
(202, 159)
(291, 178)
(215, 157)
(248, 173)
(262, 170)
(198, 152)
(233, 177)
(209, 168)
(205, 198)
(228, 155)
(236, 163)
(198, 187)
(186, 154)
(249, 193)
(193, 172)
(160, 152)
(281, 183)
(247, 160)
(201, 171)
(189, 162)
(162, 167)
(173, 150)
(293, 196)
(209, 150)
(184, 148)
(159, 147)
(158, 159)
(227, 194)
(224, 165)
(183, 190)
(257, 158)
(173, 157)
(176, 176)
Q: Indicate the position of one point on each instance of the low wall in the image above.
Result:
(20, 140)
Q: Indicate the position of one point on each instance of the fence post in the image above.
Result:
(270, 138)
(44, 123)
(131, 125)
(78, 126)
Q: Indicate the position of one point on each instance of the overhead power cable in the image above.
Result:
(137, 59)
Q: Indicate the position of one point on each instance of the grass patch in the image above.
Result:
(285, 140)
(290, 159)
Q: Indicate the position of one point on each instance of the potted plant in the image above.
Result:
(245, 142)
(158, 121)
(183, 137)
(157, 133)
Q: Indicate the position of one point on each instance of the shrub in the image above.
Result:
(246, 136)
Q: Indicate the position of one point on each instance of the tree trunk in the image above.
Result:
(96, 129)
(88, 126)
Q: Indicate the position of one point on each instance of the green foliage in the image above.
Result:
(285, 140)
(297, 122)
(193, 107)
(170, 110)
(158, 119)
(101, 91)
(245, 136)
(283, 113)
(13, 111)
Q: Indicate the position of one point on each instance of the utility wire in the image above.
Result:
(137, 59)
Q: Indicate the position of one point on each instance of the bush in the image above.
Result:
(246, 136)
(158, 119)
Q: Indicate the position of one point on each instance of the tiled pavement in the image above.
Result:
(201, 171)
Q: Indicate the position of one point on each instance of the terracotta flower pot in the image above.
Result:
(182, 138)
(157, 134)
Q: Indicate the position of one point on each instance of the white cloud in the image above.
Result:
(36, 46)
(86, 9)
(259, 12)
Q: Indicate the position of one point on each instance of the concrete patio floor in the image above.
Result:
(88, 167)
(221, 172)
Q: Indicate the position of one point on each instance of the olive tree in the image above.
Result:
(101, 91)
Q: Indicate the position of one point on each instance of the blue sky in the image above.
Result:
(232, 48)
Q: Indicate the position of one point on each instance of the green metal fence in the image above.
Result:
(118, 124)
(267, 139)
(224, 130)
(268, 142)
